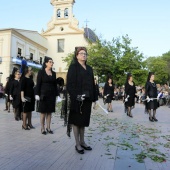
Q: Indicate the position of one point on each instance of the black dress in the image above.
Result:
(7, 88)
(27, 86)
(46, 88)
(151, 91)
(15, 92)
(80, 81)
(130, 90)
(96, 91)
(108, 90)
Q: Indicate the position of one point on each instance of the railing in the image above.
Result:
(29, 63)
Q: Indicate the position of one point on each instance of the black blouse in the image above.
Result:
(15, 88)
(46, 84)
(27, 86)
(130, 90)
(151, 90)
(80, 81)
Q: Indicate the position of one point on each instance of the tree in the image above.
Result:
(166, 57)
(116, 58)
(128, 59)
(158, 65)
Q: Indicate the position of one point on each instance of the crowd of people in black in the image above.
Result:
(82, 89)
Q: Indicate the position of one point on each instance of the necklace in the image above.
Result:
(153, 84)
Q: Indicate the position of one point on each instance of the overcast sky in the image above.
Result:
(147, 22)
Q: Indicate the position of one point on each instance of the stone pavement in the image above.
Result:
(119, 142)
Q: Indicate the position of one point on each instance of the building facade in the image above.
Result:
(57, 41)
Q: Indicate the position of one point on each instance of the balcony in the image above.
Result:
(35, 64)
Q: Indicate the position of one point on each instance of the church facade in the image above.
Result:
(57, 41)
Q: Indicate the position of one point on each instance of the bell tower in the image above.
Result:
(62, 13)
(63, 8)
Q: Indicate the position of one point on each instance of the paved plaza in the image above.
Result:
(119, 142)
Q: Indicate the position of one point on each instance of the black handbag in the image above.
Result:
(42, 97)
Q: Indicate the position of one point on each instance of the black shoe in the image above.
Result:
(86, 147)
(79, 151)
(49, 131)
(151, 119)
(25, 128)
(5, 109)
(16, 119)
(131, 116)
(43, 132)
(155, 119)
(31, 126)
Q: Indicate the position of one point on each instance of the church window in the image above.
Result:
(60, 45)
(58, 13)
(61, 28)
(19, 52)
(31, 56)
(66, 13)
(40, 60)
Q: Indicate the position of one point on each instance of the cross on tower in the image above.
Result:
(86, 21)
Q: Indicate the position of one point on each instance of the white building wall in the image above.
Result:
(5, 48)
(26, 47)
(70, 42)
(34, 36)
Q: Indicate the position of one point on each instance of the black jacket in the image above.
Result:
(80, 81)
(46, 85)
(108, 90)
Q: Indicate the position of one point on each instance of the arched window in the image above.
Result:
(58, 13)
(66, 13)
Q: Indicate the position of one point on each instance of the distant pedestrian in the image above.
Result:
(109, 93)
(6, 95)
(130, 93)
(27, 97)
(151, 96)
(15, 95)
(96, 93)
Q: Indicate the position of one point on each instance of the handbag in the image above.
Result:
(42, 97)
(37, 106)
(28, 99)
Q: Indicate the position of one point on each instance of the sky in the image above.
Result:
(147, 22)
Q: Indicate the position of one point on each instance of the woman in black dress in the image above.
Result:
(15, 95)
(46, 93)
(130, 93)
(151, 93)
(81, 88)
(27, 97)
(109, 93)
(96, 92)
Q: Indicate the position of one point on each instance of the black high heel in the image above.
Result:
(79, 151)
(43, 132)
(49, 131)
(151, 119)
(31, 126)
(155, 119)
(25, 128)
(86, 147)
(130, 116)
